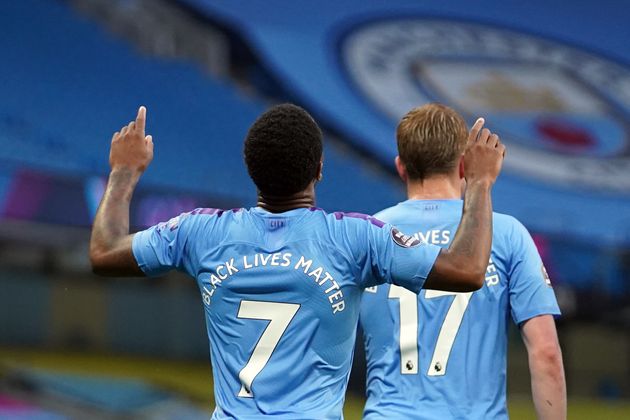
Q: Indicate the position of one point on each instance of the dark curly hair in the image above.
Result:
(283, 149)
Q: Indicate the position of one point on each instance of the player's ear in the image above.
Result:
(401, 169)
(461, 167)
(320, 170)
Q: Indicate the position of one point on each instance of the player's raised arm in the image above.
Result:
(462, 266)
(110, 244)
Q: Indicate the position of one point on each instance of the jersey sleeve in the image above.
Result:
(530, 290)
(393, 257)
(168, 245)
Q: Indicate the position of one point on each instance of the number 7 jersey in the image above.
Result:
(281, 294)
(442, 354)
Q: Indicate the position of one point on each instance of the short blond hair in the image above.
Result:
(431, 139)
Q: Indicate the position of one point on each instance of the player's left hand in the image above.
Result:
(131, 148)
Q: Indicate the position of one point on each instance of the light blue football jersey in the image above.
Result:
(442, 355)
(282, 297)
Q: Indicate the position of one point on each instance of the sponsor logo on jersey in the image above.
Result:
(564, 112)
(406, 241)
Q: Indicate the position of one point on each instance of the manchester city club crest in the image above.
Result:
(563, 111)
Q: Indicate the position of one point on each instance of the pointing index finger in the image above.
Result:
(141, 119)
(476, 128)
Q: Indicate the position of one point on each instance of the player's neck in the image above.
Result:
(279, 204)
(438, 187)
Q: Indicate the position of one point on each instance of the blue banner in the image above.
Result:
(552, 80)
(65, 92)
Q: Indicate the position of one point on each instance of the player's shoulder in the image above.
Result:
(393, 214)
(209, 211)
(345, 221)
(216, 213)
(510, 236)
(507, 225)
(204, 216)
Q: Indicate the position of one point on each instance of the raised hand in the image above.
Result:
(462, 267)
(131, 149)
(110, 246)
(484, 154)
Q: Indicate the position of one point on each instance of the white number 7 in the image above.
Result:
(448, 332)
(280, 316)
(408, 341)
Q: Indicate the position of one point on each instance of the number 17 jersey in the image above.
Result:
(443, 354)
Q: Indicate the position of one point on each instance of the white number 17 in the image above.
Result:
(408, 342)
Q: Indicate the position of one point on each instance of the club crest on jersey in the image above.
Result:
(563, 112)
(406, 241)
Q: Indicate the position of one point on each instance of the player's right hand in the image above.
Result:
(131, 149)
(484, 155)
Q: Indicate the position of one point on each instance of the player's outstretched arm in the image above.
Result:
(462, 267)
(545, 366)
(110, 244)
